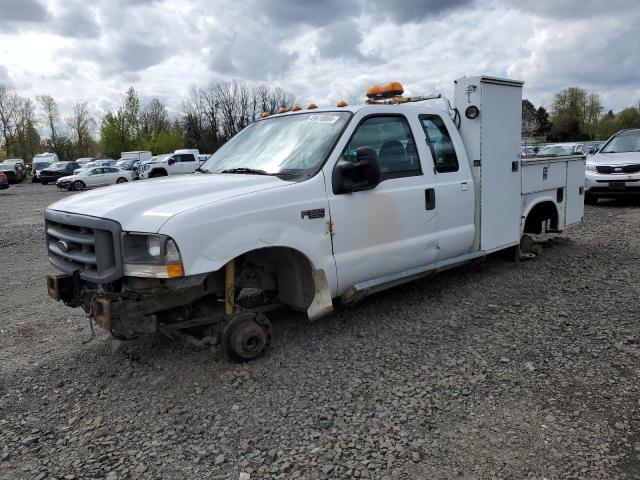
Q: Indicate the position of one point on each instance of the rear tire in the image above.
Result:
(78, 185)
(157, 174)
(121, 180)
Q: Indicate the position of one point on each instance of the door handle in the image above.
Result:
(430, 199)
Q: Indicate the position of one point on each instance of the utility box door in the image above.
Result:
(500, 172)
(575, 191)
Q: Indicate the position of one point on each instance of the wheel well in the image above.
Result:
(161, 171)
(278, 269)
(541, 213)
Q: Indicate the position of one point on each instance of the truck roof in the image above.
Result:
(356, 108)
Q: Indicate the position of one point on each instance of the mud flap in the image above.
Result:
(322, 304)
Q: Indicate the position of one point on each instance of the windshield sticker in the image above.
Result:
(323, 118)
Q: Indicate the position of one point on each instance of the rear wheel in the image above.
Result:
(157, 173)
(121, 180)
(77, 185)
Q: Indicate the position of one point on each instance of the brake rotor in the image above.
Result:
(246, 336)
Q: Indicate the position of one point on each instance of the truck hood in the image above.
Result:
(146, 205)
(625, 158)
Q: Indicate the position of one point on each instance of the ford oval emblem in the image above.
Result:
(62, 245)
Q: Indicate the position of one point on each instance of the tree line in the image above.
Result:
(576, 115)
(207, 117)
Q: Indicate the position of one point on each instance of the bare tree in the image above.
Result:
(82, 125)
(51, 119)
(214, 114)
(9, 104)
(26, 132)
(154, 118)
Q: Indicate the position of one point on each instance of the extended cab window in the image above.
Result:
(391, 137)
(440, 144)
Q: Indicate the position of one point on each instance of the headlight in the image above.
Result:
(154, 245)
(591, 167)
(155, 256)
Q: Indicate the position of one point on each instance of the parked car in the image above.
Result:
(4, 181)
(592, 148)
(96, 163)
(615, 169)
(19, 163)
(287, 209)
(180, 162)
(13, 171)
(84, 160)
(40, 162)
(94, 177)
(561, 149)
(57, 170)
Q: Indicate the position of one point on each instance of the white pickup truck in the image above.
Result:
(180, 162)
(307, 208)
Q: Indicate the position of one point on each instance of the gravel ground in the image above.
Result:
(492, 370)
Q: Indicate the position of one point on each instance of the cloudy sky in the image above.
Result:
(321, 50)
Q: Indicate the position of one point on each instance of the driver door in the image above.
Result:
(393, 227)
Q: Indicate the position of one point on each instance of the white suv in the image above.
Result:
(615, 169)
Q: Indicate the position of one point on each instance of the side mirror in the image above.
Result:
(171, 161)
(363, 174)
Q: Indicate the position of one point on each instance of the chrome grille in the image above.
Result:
(87, 245)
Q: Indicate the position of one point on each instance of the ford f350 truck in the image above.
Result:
(308, 208)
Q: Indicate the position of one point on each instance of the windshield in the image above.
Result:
(57, 166)
(6, 168)
(124, 163)
(291, 144)
(39, 165)
(623, 142)
(557, 150)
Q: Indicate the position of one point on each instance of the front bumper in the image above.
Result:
(4, 185)
(612, 184)
(51, 178)
(66, 184)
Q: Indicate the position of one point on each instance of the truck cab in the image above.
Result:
(307, 208)
(180, 162)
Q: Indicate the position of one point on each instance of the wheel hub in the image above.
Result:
(246, 336)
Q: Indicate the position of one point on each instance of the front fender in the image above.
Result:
(211, 235)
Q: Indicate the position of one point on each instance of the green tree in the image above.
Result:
(120, 131)
(575, 114)
(629, 118)
(544, 123)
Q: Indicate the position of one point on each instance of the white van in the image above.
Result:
(40, 162)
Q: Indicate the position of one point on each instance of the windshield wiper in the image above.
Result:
(245, 170)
